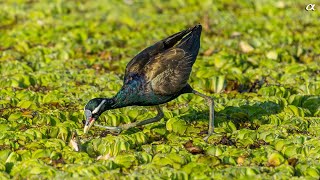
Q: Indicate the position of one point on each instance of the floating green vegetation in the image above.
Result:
(259, 59)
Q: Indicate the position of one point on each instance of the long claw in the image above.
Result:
(122, 127)
(116, 129)
(207, 137)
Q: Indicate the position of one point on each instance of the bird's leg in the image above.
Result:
(211, 116)
(122, 127)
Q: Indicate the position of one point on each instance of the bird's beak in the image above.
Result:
(89, 123)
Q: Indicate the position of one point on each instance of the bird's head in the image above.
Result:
(93, 109)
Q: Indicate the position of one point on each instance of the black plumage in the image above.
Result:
(155, 76)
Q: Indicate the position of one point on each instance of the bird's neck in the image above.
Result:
(109, 103)
(127, 96)
(120, 99)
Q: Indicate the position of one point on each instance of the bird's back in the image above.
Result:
(163, 69)
(169, 71)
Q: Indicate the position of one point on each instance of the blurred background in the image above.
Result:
(259, 59)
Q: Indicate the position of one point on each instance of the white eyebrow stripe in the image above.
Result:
(98, 108)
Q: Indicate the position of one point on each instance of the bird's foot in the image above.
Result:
(114, 129)
(207, 137)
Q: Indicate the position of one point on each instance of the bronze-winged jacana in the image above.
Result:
(155, 76)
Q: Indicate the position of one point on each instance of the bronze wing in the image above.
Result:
(167, 64)
(139, 61)
(169, 72)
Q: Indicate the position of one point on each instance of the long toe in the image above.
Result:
(207, 137)
(113, 129)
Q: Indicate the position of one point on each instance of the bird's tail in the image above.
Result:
(191, 42)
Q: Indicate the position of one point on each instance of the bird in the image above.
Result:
(155, 76)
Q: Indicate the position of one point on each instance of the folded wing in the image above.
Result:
(167, 64)
(139, 61)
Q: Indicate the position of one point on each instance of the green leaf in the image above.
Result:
(13, 157)
(272, 55)
(40, 153)
(294, 110)
(176, 125)
(14, 117)
(4, 154)
(126, 161)
(275, 159)
(312, 103)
